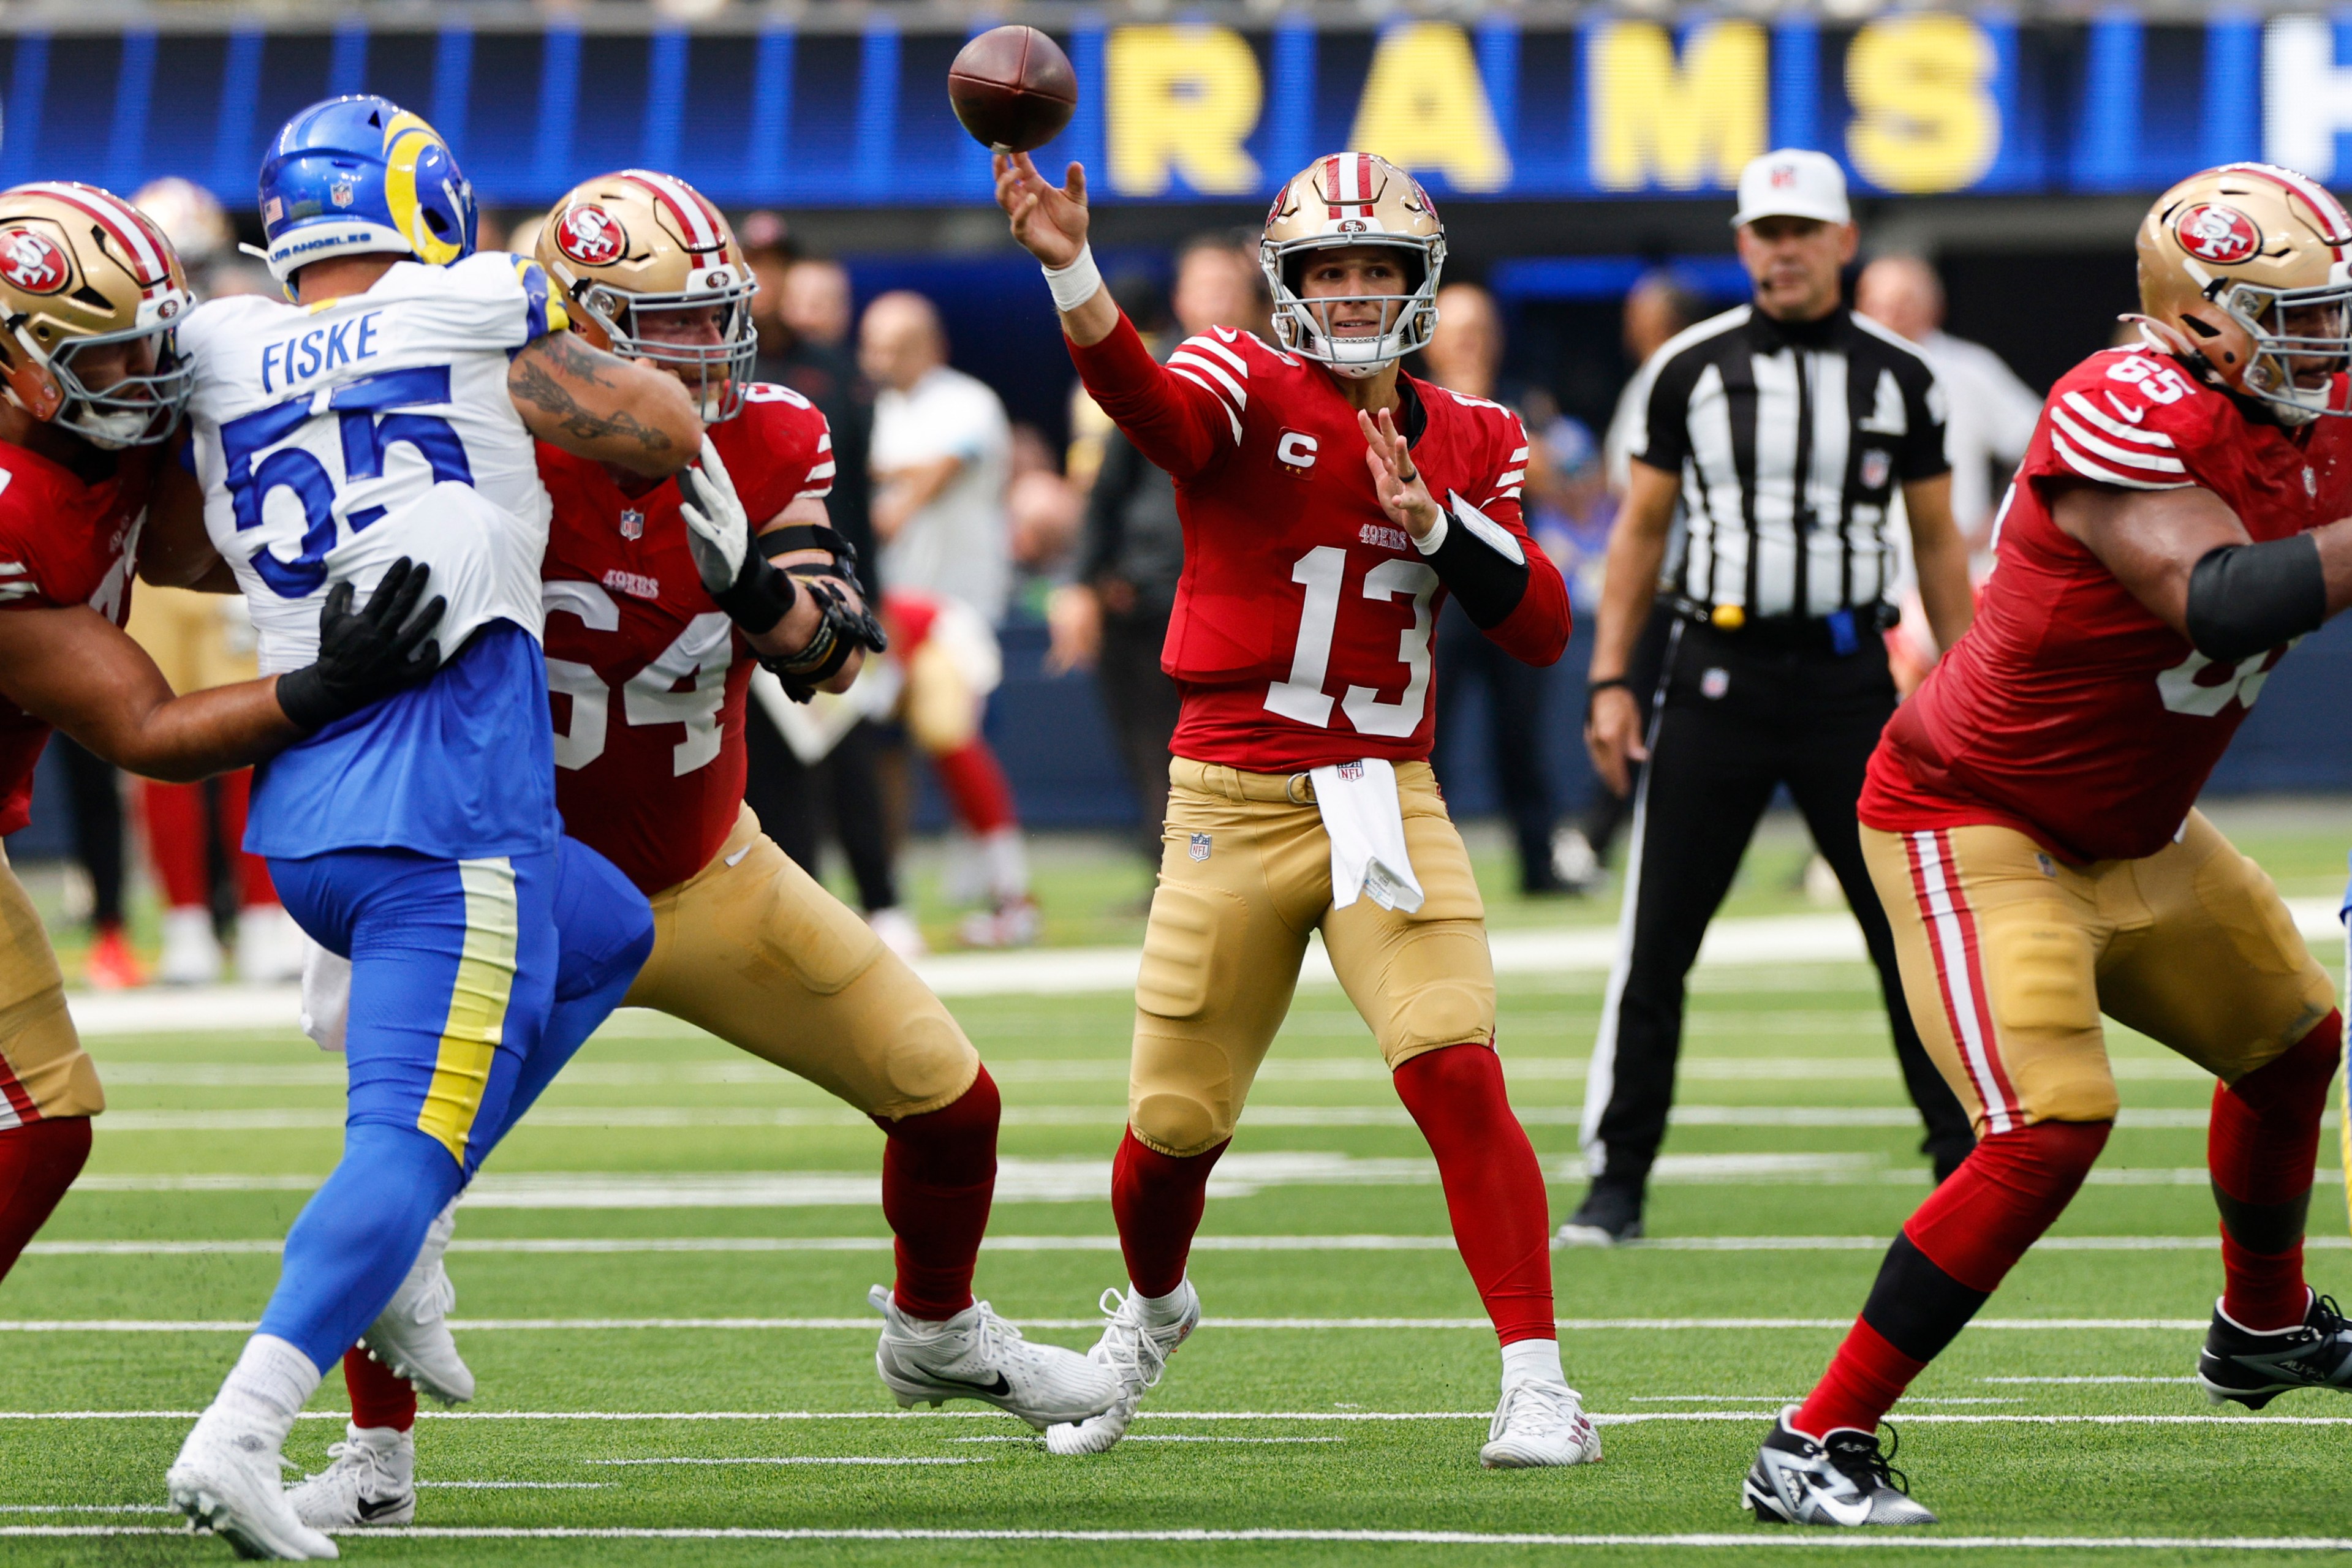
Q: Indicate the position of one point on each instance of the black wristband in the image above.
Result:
(1606, 682)
(758, 598)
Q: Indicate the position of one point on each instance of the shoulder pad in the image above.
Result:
(2130, 417)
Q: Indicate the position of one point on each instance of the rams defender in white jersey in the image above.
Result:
(389, 410)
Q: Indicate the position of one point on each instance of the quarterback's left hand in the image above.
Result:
(716, 526)
(1396, 480)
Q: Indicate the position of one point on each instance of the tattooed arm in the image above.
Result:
(596, 406)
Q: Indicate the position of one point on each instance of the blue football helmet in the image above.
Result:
(361, 175)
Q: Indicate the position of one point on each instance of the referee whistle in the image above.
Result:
(1728, 617)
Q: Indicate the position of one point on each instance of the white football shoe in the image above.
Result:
(227, 1481)
(371, 1481)
(412, 1335)
(976, 1354)
(1139, 1354)
(1540, 1422)
(192, 955)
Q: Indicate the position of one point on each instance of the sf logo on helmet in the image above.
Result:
(32, 262)
(2223, 236)
(591, 237)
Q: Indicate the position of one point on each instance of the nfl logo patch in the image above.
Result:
(1200, 847)
(632, 524)
(1351, 772)
(1876, 464)
(342, 193)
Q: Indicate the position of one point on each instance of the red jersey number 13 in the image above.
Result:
(1323, 572)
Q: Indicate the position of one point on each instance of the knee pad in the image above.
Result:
(941, 711)
(1178, 1123)
(1181, 1097)
(2300, 1073)
(1436, 999)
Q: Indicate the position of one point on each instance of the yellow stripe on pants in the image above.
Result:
(477, 1005)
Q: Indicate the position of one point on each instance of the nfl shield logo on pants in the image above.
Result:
(1199, 849)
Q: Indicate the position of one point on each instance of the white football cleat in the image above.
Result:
(192, 955)
(227, 1481)
(976, 1354)
(1139, 1356)
(1540, 1422)
(412, 1335)
(371, 1481)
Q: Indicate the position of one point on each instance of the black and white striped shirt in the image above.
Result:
(1790, 438)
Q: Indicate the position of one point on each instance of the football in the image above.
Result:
(1012, 88)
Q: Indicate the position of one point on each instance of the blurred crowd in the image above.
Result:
(965, 520)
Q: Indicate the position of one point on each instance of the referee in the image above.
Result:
(1783, 427)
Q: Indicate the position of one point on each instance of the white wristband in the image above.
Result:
(1076, 284)
(1433, 541)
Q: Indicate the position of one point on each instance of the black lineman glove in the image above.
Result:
(368, 653)
(738, 578)
(842, 631)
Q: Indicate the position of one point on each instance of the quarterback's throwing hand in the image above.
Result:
(1404, 495)
(716, 526)
(1050, 222)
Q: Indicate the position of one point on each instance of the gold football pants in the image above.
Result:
(753, 949)
(2009, 955)
(43, 1072)
(1244, 875)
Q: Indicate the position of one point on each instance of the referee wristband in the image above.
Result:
(1076, 284)
(1594, 688)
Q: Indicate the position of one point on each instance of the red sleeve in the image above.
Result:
(1173, 414)
(1535, 632)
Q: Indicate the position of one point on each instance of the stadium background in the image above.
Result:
(1571, 148)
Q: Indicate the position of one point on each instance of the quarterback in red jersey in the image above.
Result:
(90, 295)
(1327, 501)
(651, 645)
(2180, 518)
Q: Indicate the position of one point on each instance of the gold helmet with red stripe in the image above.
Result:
(2242, 272)
(91, 297)
(1342, 200)
(652, 271)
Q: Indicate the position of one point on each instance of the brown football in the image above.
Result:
(1012, 88)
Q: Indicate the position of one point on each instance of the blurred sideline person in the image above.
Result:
(1991, 419)
(826, 772)
(1114, 618)
(1465, 355)
(644, 587)
(1657, 308)
(940, 458)
(1300, 794)
(1784, 428)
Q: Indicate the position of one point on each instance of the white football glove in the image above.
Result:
(716, 528)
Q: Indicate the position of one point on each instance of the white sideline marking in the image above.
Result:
(2086, 1380)
(1163, 1437)
(817, 1460)
(520, 1485)
(87, 1508)
(1745, 940)
(612, 1245)
(1761, 1537)
(870, 1324)
(1609, 1418)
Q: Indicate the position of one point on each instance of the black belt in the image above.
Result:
(1839, 633)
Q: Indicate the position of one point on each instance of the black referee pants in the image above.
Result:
(1738, 717)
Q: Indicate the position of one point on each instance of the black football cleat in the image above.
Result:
(1844, 1481)
(2255, 1368)
(1610, 1216)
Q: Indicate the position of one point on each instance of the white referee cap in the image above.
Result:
(1791, 182)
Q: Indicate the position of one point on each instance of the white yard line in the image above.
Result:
(1760, 1412)
(1872, 1541)
(817, 1460)
(870, 1324)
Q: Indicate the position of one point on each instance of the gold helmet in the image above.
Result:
(82, 270)
(633, 247)
(2243, 272)
(1344, 200)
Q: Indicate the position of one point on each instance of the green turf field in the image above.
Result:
(668, 1268)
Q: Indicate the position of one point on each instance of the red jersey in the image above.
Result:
(63, 541)
(1303, 620)
(647, 676)
(2069, 712)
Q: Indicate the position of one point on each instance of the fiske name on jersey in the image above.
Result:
(319, 350)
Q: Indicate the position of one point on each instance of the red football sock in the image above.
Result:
(38, 1160)
(939, 1177)
(1494, 1187)
(1156, 1199)
(254, 887)
(976, 786)
(2260, 1146)
(1951, 1255)
(378, 1398)
(176, 842)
